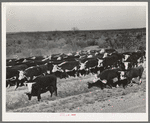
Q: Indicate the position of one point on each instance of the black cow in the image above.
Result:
(133, 58)
(55, 56)
(89, 65)
(132, 73)
(20, 67)
(36, 58)
(19, 60)
(42, 85)
(40, 62)
(11, 77)
(141, 54)
(29, 63)
(110, 61)
(97, 84)
(110, 50)
(10, 62)
(70, 67)
(30, 72)
(108, 76)
(43, 68)
(51, 64)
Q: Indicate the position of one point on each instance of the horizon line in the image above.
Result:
(77, 30)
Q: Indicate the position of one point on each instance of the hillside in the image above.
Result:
(25, 44)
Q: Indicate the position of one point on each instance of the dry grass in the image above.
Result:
(72, 94)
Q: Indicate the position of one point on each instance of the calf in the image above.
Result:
(42, 85)
(98, 83)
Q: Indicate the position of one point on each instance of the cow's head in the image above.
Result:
(50, 57)
(30, 89)
(89, 56)
(56, 68)
(48, 72)
(122, 75)
(82, 65)
(24, 60)
(89, 85)
(69, 54)
(102, 51)
(100, 63)
(96, 53)
(140, 64)
(59, 58)
(126, 64)
(95, 78)
(126, 57)
(104, 81)
(105, 55)
(21, 75)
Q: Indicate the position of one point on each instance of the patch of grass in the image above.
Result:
(123, 93)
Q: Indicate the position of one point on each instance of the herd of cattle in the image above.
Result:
(109, 67)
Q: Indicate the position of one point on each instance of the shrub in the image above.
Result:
(81, 44)
(91, 42)
(51, 45)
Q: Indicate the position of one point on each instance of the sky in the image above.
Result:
(36, 17)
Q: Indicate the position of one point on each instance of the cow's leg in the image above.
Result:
(61, 77)
(51, 89)
(102, 85)
(16, 85)
(39, 94)
(29, 96)
(140, 81)
(109, 83)
(124, 86)
(8, 85)
(77, 74)
(89, 72)
(130, 82)
(56, 91)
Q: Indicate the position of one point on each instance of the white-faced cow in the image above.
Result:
(42, 85)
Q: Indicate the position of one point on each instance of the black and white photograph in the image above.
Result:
(75, 61)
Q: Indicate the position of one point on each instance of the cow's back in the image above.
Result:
(108, 74)
(135, 72)
(46, 81)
